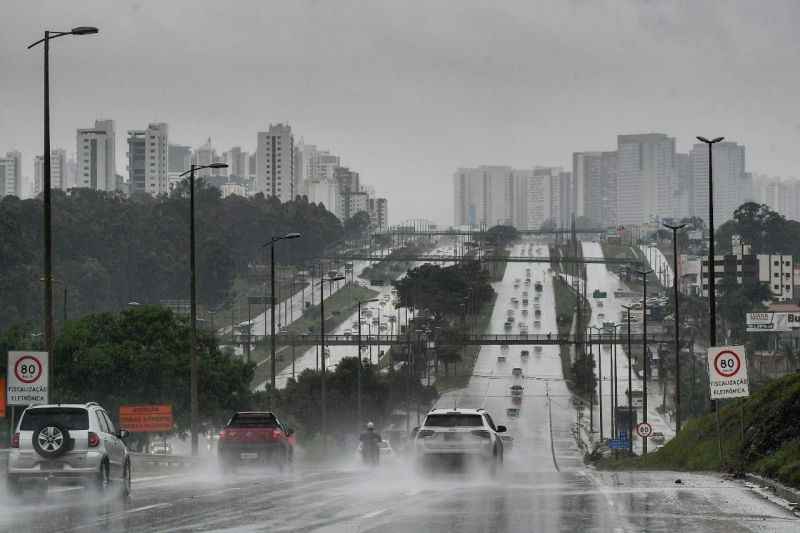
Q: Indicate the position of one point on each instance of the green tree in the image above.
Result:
(501, 235)
(141, 356)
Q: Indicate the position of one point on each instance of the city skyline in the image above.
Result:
(346, 84)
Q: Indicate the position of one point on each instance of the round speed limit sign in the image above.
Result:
(644, 430)
(727, 363)
(28, 369)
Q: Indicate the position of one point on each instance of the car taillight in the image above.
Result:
(276, 434)
(15, 440)
(222, 434)
(482, 433)
(94, 440)
(426, 433)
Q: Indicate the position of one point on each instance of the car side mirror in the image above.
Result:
(289, 432)
(501, 429)
(123, 433)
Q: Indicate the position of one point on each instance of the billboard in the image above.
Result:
(146, 418)
(761, 322)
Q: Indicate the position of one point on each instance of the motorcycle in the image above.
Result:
(370, 454)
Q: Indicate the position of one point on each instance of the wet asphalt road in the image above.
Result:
(543, 486)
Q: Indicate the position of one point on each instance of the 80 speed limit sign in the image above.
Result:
(644, 430)
(27, 378)
(727, 372)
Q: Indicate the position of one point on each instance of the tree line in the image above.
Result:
(109, 249)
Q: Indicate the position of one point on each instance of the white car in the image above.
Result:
(516, 372)
(69, 443)
(537, 324)
(446, 433)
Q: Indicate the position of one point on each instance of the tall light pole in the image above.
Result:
(712, 288)
(272, 299)
(323, 363)
(645, 358)
(46, 197)
(358, 423)
(614, 377)
(599, 375)
(193, 373)
(676, 307)
(630, 384)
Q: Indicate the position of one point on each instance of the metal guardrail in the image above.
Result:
(410, 258)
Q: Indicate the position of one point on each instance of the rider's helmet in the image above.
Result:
(370, 426)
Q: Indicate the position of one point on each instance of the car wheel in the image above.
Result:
(101, 481)
(52, 440)
(125, 489)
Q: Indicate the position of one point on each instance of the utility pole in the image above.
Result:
(645, 358)
(676, 308)
(630, 385)
(323, 363)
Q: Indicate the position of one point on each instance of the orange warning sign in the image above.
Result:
(146, 418)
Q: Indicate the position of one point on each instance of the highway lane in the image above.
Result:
(533, 492)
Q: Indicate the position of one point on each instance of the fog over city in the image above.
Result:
(406, 92)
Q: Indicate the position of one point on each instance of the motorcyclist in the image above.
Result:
(369, 443)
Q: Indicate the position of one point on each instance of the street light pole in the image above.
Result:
(48, 329)
(645, 358)
(323, 363)
(599, 375)
(272, 299)
(676, 307)
(360, 419)
(193, 370)
(630, 385)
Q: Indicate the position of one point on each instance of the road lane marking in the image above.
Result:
(149, 507)
(373, 514)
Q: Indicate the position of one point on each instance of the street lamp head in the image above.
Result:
(702, 139)
(718, 139)
(217, 165)
(84, 30)
(712, 141)
(294, 235)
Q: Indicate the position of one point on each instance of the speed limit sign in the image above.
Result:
(727, 372)
(644, 430)
(27, 378)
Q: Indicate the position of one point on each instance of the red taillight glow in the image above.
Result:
(222, 434)
(276, 434)
(94, 440)
(15, 440)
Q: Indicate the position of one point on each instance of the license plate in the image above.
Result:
(452, 436)
(248, 456)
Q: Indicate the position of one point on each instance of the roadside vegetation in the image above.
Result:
(577, 367)
(390, 268)
(760, 434)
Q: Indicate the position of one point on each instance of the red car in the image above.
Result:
(255, 436)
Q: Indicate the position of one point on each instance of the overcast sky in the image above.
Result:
(405, 92)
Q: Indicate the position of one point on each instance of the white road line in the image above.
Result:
(373, 514)
(148, 507)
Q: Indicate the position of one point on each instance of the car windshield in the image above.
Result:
(71, 418)
(253, 420)
(453, 420)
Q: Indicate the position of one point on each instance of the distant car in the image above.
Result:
(537, 313)
(501, 358)
(524, 312)
(524, 302)
(510, 320)
(658, 438)
(512, 412)
(510, 312)
(160, 448)
(508, 325)
(504, 347)
(524, 294)
(384, 448)
(538, 286)
(537, 324)
(601, 316)
(537, 349)
(599, 304)
(516, 390)
(347, 333)
(516, 372)
(524, 354)
(515, 300)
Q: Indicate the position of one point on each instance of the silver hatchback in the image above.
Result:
(68, 443)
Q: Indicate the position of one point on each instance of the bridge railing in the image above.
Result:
(480, 340)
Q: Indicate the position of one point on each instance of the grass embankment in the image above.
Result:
(236, 309)
(338, 308)
(627, 251)
(463, 370)
(566, 307)
(770, 447)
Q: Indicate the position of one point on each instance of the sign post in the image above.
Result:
(27, 378)
(727, 378)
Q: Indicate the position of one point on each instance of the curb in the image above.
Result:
(779, 489)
